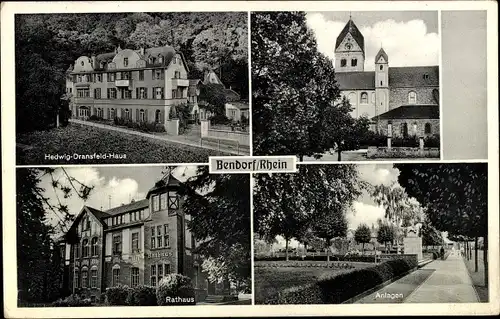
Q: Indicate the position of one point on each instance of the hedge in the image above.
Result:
(142, 296)
(336, 289)
(72, 301)
(367, 259)
(117, 295)
(175, 289)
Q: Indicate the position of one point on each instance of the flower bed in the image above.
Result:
(366, 259)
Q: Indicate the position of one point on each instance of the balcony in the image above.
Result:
(123, 83)
(180, 82)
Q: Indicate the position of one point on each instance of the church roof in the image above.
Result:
(351, 28)
(382, 53)
(411, 111)
(399, 77)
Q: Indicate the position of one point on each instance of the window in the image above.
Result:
(126, 94)
(141, 93)
(77, 279)
(83, 93)
(141, 75)
(111, 77)
(412, 97)
(158, 236)
(93, 278)
(177, 75)
(126, 75)
(364, 98)
(173, 200)
(158, 93)
(166, 236)
(152, 60)
(77, 250)
(160, 272)
(125, 61)
(157, 120)
(134, 277)
(112, 113)
(153, 238)
(426, 76)
(163, 201)
(127, 114)
(117, 244)
(156, 203)
(160, 59)
(404, 130)
(82, 63)
(142, 117)
(343, 62)
(153, 275)
(167, 269)
(85, 246)
(174, 94)
(95, 251)
(116, 276)
(85, 278)
(158, 74)
(135, 242)
(112, 93)
(381, 67)
(381, 83)
(100, 112)
(101, 65)
(354, 62)
(428, 129)
(97, 93)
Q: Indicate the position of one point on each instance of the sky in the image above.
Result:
(410, 38)
(122, 183)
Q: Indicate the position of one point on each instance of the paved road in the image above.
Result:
(441, 281)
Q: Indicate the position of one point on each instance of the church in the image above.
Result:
(400, 101)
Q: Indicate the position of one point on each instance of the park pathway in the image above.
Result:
(450, 282)
(441, 281)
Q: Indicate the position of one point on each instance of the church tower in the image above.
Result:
(350, 49)
(381, 82)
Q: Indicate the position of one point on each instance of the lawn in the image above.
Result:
(33, 148)
(269, 281)
(478, 277)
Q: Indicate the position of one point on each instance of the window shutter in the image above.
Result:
(137, 114)
(162, 117)
(109, 114)
(137, 93)
(145, 115)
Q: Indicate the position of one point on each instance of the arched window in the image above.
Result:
(381, 67)
(158, 116)
(116, 275)
(77, 278)
(85, 278)
(127, 114)
(343, 62)
(125, 61)
(428, 129)
(364, 98)
(95, 251)
(412, 97)
(142, 116)
(404, 130)
(85, 248)
(112, 113)
(352, 99)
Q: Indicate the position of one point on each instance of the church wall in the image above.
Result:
(360, 109)
(419, 130)
(399, 96)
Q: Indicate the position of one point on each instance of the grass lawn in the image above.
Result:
(478, 277)
(32, 148)
(269, 281)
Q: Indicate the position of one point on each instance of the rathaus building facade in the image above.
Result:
(404, 98)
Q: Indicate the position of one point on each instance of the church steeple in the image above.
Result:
(350, 49)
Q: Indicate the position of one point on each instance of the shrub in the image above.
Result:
(353, 258)
(373, 139)
(410, 141)
(72, 301)
(220, 119)
(432, 141)
(117, 295)
(338, 288)
(175, 289)
(142, 296)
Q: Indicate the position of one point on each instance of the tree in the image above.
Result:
(363, 235)
(385, 234)
(430, 235)
(455, 197)
(221, 222)
(329, 225)
(291, 83)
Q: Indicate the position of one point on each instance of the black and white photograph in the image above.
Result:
(346, 86)
(132, 236)
(372, 233)
(131, 87)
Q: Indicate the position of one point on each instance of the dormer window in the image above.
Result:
(426, 76)
(125, 61)
(152, 60)
(160, 59)
(82, 63)
(101, 65)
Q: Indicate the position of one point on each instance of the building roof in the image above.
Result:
(168, 180)
(351, 28)
(381, 53)
(240, 105)
(358, 80)
(231, 95)
(412, 111)
(97, 213)
(414, 76)
(168, 52)
(140, 204)
(399, 77)
(193, 87)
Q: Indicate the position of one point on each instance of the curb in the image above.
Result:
(378, 287)
(472, 282)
